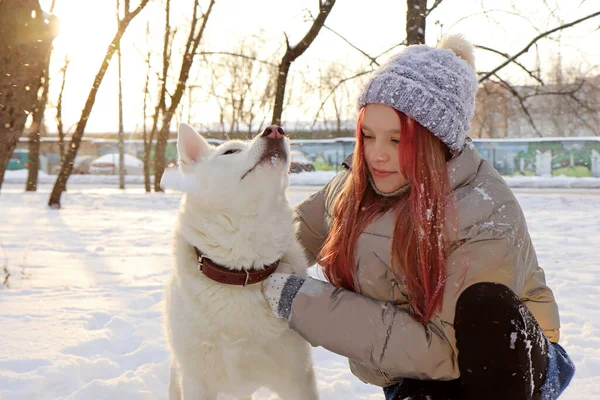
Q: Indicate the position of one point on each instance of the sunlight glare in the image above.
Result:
(86, 28)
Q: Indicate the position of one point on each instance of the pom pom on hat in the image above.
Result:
(460, 46)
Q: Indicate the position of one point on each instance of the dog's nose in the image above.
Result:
(273, 132)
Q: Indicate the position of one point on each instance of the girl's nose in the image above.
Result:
(380, 153)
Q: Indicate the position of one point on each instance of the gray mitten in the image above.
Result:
(279, 290)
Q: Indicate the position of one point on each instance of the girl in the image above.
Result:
(434, 289)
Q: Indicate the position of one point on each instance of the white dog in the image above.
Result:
(223, 337)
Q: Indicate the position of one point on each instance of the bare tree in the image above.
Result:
(25, 39)
(59, 116)
(338, 97)
(526, 107)
(35, 130)
(147, 142)
(293, 52)
(416, 17)
(493, 110)
(67, 166)
(191, 48)
(568, 105)
(511, 59)
(160, 108)
(241, 85)
(121, 142)
(508, 101)
(415, 21)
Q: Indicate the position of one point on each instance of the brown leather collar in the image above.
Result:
(222, 274)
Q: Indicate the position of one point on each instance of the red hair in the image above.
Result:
(422, 217)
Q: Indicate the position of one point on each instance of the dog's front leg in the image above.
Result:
(294, 261)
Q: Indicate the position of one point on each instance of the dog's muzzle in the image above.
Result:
(273, 132)
(275, 149)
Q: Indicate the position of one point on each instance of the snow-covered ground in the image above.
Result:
(317, 178)
(82, 316)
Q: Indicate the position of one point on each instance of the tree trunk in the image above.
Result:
(34, 150)
(415, 21)
(160, 108)
(186, 64)
(121, 129)
(67, 166)
(37, 123)
(59, 118)
(35, 132)
(283, 71)
(147, 147)
(25, 40)
(292, 53)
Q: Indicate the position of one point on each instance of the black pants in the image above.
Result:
(501, 351)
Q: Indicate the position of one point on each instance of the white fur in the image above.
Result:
(460, 46)
(225, 339)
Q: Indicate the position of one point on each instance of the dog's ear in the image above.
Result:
(190, 145)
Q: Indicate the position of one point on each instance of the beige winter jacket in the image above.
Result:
(383, 342)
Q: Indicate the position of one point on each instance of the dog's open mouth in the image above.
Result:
(274, 158)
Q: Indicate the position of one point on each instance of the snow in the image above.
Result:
(316, 178)
(513, 339)
(82, 317)
(130, 161)
(483, 193)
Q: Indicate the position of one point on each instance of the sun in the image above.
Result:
(85, 28)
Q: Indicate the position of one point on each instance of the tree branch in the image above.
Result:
(324, 10)
(433, 7)
(333, 91)
(581, 103)
(373, 60)
(227, 53)
(131, 15)
(402, 43)
(292, 53)
(514, 14)
(556, 93)
(532, 42)
(67, 167)
(580, 117)
(522, 103)
(514, 61)
(191, 48)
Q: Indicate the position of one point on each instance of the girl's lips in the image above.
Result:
(381, 174)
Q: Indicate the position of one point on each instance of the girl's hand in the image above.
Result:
(280, 289)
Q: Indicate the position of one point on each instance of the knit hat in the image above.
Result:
(434, 86)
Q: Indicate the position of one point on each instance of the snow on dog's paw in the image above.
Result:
(173, 179)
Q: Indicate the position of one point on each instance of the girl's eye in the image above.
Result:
(396, 140)
(365, 136)
(231, 151)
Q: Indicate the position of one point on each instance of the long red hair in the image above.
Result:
(422, 218)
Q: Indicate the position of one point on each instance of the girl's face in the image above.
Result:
(381, 138)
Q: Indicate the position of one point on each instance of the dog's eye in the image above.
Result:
(231, 151)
